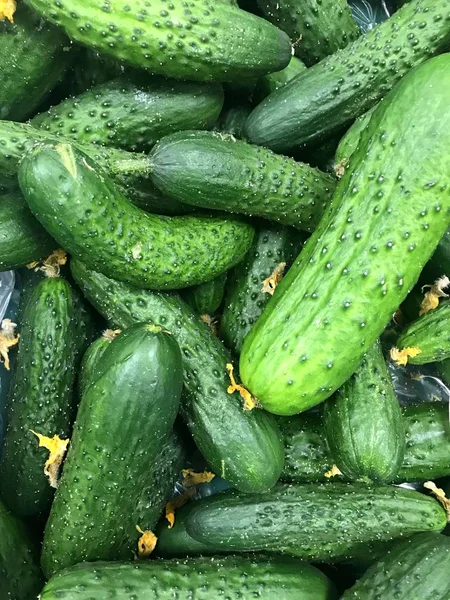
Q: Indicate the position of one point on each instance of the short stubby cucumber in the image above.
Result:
(216, 171)
(90, 218)
(133, 112)
(331, 94)
(385, 220)
(243, 447)
(204, 41)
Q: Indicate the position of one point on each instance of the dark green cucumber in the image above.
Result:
(91, 219)
(349, 142)
(124, 421)
(202, 578)
(245, 299)
(204, 42)
(91, 357)
(430, 333)
(371, 243)
(415, 569)
(342, 87)
(364, 425)
(41, 395)
(34, 57)
(244, 447)
(92, 69)
(274, 81)
(133, 112)
(206, 298)
(22, 239)
(232, 119)
(19, 560)
(216, 171)
(317, 28)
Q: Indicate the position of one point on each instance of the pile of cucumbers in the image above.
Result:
(229, 224)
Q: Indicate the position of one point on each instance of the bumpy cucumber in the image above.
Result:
(203, 42)
(349, 142)
(134, 112)
(34, 57)
(206, 297)
(274, 81)
(344, 86)
(317, 28)
(232, 119)
(91, 357)
(119, 431)
(313, 521)
(245, 299)
(244, 447)
(371, 243)
(364, 424)
(41, 395)
(415, 569)
(215, 171)
(22, 239)
(210, 578)
(110, 234)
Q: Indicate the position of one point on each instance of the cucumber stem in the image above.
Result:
(141, 164)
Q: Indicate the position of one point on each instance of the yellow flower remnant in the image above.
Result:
(57, 448)
(333, 472)
(146, 543)
(270, 284)
(7, 340)
(436, 291)
(7, 10)
(249, 402)
(400, 357)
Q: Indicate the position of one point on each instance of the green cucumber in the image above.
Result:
(274, 81)
(243, 447)
(60, 185)
(232, 119)
(318, 522)
(330, 95)
(133, 112)
(22, 239)
(364, 425)
(19, 560)
(202, 578)
(371, 243)
(415, 569)
(91, 357)
(34, 55)
(41, 396)
(92, 69)
(206, 298)
(317, 28)
(245, 299)
(203, 42)
(120, 429)
(216, 171)
(349, 142)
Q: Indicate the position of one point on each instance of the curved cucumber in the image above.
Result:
(211, 170)
(364, 425)
(206, 297)
(92, 220)
(133, 112)
(243, 447)
(369, 244)
(91, 357)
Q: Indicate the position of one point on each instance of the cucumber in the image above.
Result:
(41, 396)
(215, 171)
(244, 299)
(22, 239)
(243, 447)
(133, 112)
(124, 421)
(35, 55)
(317, 28)
(92, 69)
(369, 244)
(91, 358)
(329, 96)
(274, 81)
(202, 578)
(349, 142)
(415, 569)
(121, 240)
(204, 42)
(206, 297)
(320, 522)
(364, 426)
(19, 560)
(232, 119)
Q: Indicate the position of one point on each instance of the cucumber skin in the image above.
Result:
(206, 297)
(415, 569)
(232, 119)
(22, 239)
(112, 452)
(364, 425)
(144, 36)
(274, 81)
(369, 244)
(319, 522)
(91, 219)
(245, 448)
(90, 359)
(210, 578)
(349, 142)
(217, 172)
(326, 97)
(41, 395)
(133, 113)
(317, 28)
